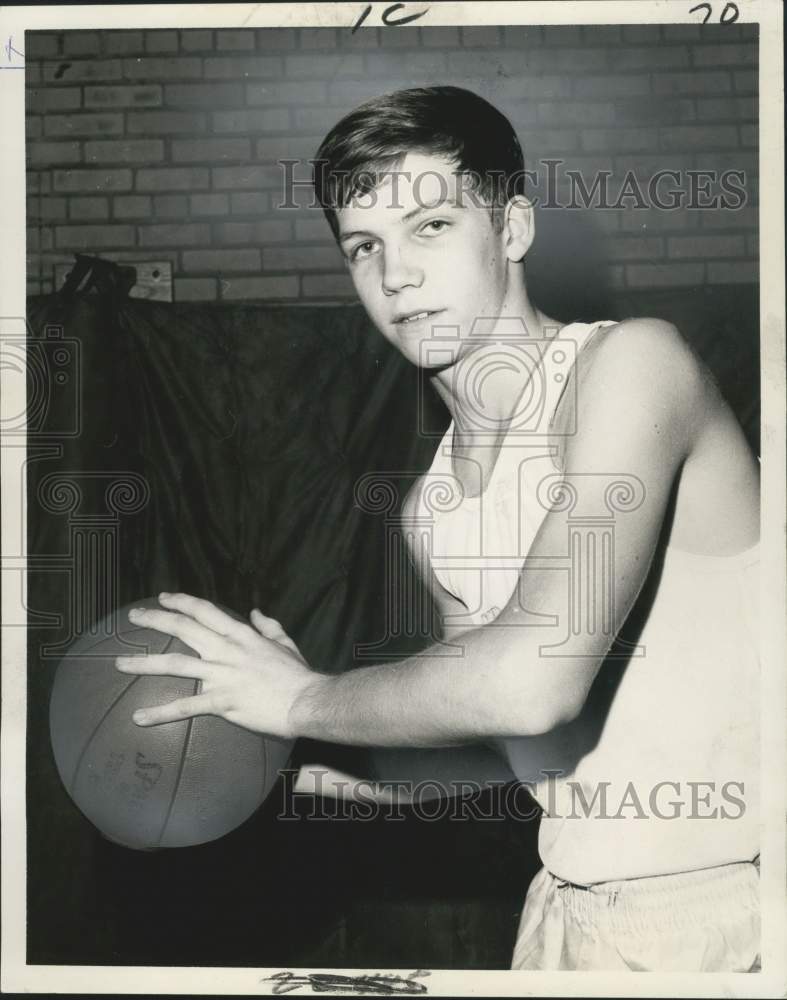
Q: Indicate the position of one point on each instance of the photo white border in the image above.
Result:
(15, 974)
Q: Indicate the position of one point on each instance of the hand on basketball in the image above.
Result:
(251, 674)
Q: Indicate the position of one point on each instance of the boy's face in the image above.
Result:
(420, 244)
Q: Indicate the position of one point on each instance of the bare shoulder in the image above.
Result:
(646, 350)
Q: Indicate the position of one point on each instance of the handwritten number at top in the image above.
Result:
(388, 17)
(729, 15)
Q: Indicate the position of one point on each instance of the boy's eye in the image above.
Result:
(434, 226)
(362, 250)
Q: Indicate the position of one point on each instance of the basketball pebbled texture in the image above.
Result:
(174, 785)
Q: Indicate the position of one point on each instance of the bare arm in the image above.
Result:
(637, 416)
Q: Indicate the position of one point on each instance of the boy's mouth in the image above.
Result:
(415, 317)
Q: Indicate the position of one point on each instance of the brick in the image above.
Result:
(32, 288)
(405, 37)
(537, 88)
(123, 43)
(124, 151)
(562, 113)
(271, 39)
(302, 258)
(88, 209)
(252, 120)
(292, 147)
(238, 67)
(655, 110)
(317, 38)
(287, 93)
(705, 246)
(745, 81)
(524, 114)
(209, 204)
(439, 36)
(45, 209)
(82, 70)
(265, 231)
(655, 220)
(203, 95)
(664, 275)
(601, 34)
(691, 83)
(33, 127)
(330, 67)
(562, 34)
(579, 60)
(133, 206)
(619, 85)
(32, 73)
(81, 43)
(246, 177)
(170, 206)
(684, 137)
(161, 41)
(194, 289)
(249, 203)
(196, 40)
(748, 162)
(93, 238)
(749, 136)
(33, 182)
(480, 36)
(647, 33)
(46, 99)
(506, 63)
(749, 30)
(242, 40)
(83, 125)
(209, 150)
(733, 272)
(39, 45)
(157, 68)
(312, 230)
(634, 248)
(728, 108)
(221, 260)
(176, 235)
(47, 154)
(746, 217)
(753, 245)
(522, 35)
(366, 37)
(724, 55)
(662, 57)
(259, 288)
(681, 32)
(316, 119)
(553, 141)
(141, 96)
(172, 179)
(328, 286)
(165, 123)
(635, 140)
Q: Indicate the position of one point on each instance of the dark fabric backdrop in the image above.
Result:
(252, 426)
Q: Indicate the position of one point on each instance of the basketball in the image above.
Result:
(174, 785)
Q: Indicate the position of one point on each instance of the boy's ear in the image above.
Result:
(518, 227)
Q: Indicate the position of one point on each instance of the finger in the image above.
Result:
(272, 629)
(176, 711)
(204, 612)
(168, 664)
(195, 635)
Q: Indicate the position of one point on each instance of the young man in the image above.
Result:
(597, 554)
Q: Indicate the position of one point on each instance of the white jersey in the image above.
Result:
(659, 772)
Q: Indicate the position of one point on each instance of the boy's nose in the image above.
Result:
(399, 272)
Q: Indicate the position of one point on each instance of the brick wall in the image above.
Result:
(162, 145)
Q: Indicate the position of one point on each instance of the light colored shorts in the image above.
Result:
(700, 921)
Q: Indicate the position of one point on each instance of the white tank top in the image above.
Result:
(659, 773)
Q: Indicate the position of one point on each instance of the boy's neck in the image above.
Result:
(483, 388)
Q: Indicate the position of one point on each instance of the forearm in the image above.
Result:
(435, 700)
